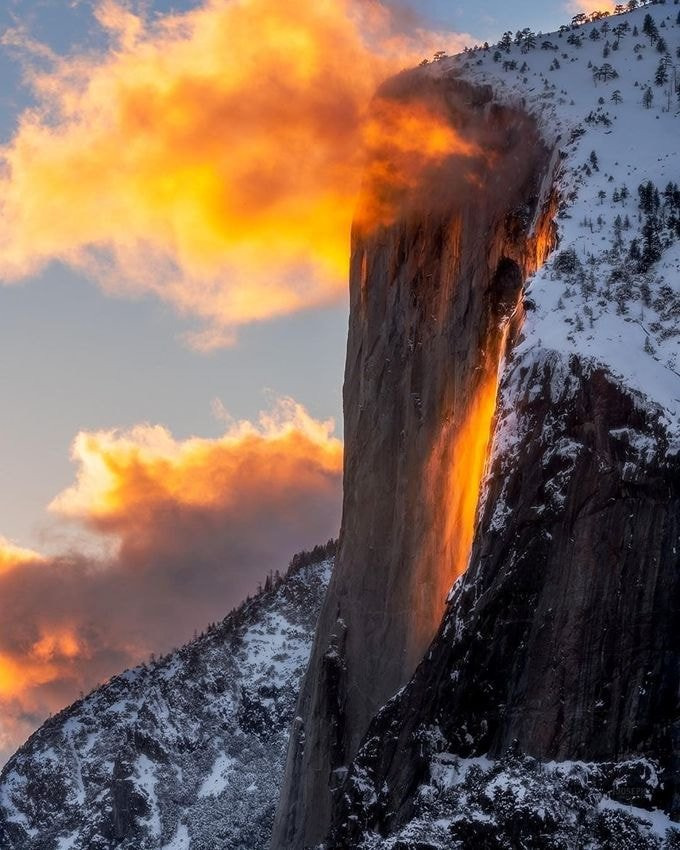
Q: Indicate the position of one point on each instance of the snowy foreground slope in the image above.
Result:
(183, 753)
(607, 96)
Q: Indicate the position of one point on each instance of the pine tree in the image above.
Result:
(652, 248)
(605, 72)
(646, 196)
(649, 28)
(648, 98)
(661, 76)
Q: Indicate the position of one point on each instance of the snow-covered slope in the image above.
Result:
(518, 801)
(185, 752)
(608, 96)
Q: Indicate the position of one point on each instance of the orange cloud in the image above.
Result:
(123, 474)
(210, 158)
(407, 136)
(590, 6)
(197, 522)
(12, 555)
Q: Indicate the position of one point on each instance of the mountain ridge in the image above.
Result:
(150, 759)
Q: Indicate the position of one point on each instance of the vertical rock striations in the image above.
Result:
(432, 294)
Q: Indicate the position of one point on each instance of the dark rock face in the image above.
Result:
(431, 296)
(562, 640)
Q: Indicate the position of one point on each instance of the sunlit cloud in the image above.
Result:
(12, 555)
(590, 6)
(211, 158)
(197, 523)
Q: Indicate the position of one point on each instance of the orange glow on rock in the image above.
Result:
(463, 449)
(470, 455)
(456, 469)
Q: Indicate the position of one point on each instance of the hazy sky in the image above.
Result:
(171, 184)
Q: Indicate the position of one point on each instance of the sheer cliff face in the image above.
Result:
(561, 639)
(432, 296)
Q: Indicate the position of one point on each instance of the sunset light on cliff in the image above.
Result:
(469, 458)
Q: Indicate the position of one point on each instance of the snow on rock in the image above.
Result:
(184, 753)
(607, 95)
(517, 801)
(219, 776)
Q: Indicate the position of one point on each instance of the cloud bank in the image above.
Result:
(211, 158)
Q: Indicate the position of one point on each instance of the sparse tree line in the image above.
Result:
(631, 278)
(526, 39)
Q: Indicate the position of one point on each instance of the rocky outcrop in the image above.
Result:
(562, 639)
(432, 294)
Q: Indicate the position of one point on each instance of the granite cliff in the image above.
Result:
(434, 300)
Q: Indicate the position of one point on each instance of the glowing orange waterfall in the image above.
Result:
(459, 458)
(456, 469)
